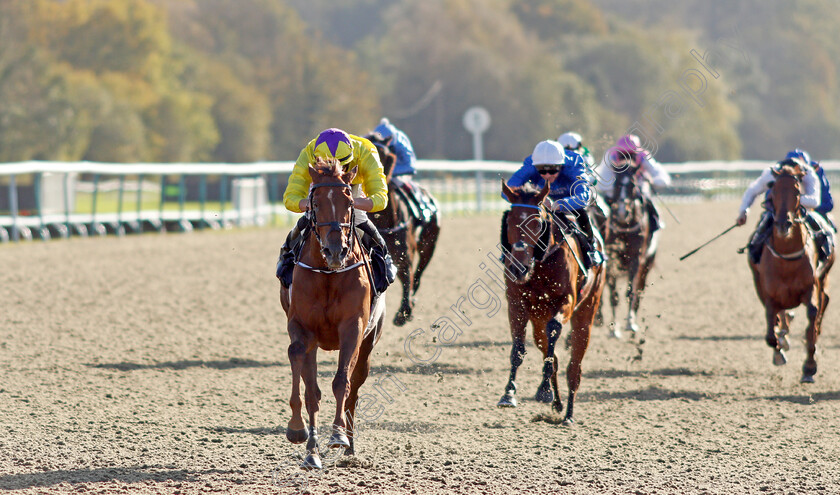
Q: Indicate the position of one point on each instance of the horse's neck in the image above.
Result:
(311, 252)
(794, 241)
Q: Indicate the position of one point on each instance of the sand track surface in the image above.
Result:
(158, 364)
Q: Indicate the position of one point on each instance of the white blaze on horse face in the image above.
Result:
(332, 203)
(622, 200)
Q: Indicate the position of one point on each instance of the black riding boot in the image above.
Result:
(654, 216)
(759, 237)
(384, 271)
(593, 256)
(289, 251)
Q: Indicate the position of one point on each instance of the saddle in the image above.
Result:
(421, 205)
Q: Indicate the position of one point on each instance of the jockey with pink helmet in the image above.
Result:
(647, 169)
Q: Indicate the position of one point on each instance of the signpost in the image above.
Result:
(477, 121)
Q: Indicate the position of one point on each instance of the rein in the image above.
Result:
(334, 227)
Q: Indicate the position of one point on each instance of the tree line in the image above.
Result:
(250, 80)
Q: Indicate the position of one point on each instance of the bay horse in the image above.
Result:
(407, 237)
(630, 245)
(546, 286)
(789, 273)
(330, 306)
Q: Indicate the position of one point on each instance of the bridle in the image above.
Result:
(522, 245)
(626, 182)
(334, 227)
(798, 218)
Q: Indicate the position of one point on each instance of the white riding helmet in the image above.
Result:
(548, 153)
(570, 140)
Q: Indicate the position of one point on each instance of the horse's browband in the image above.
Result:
(535, 207)
(330, 184)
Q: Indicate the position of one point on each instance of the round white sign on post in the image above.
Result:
(477, 120)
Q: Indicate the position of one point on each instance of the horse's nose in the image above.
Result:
(518, 270)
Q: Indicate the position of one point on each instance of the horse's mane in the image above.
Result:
(526, 191)
(789, 167)
(328, 167)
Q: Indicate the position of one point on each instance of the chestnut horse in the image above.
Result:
(631, 249)
(329, 306)
(546, 286)
(408, 238)
(788, 273)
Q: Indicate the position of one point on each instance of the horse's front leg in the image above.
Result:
(350, 335)
(813, 303)
(550, 363)
(404, 253)
(770, 313)
(296, 431)
(518, 321)
(633, 289)
(612, 286)
(313, 405)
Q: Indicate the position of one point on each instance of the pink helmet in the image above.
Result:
(628, 144)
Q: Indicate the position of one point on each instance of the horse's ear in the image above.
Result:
(775, 171)
(313, 172)
(543, 192)
(509, 194)
(349, 176)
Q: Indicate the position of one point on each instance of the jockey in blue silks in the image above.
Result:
(815, 198)
(399, 144)
(826, 201)
(569, 190)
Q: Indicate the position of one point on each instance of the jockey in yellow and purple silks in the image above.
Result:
(351, 152)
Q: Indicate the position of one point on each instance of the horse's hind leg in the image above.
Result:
(404, 314)
(426, 244)
(517, 353)
(360, 374)
(815, 309)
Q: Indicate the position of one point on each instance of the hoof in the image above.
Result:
(568, 421)
(808, 372)
(633, 328)
(297, 436)
(507, 400)
(402, 318)
(544, 395)
(782, 341)
(350, 451)
(312, 461)
(338, 439)
(557, 406)
(615, 333)
(779, 358)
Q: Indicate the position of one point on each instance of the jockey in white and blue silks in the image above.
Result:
(569, 188)
(810, 199)
(398, 143)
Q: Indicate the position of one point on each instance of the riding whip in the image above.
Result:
(662, 201)
(707, 243)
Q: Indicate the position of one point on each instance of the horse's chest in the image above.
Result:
(787, 287)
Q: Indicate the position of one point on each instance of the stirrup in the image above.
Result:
(594, 258)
